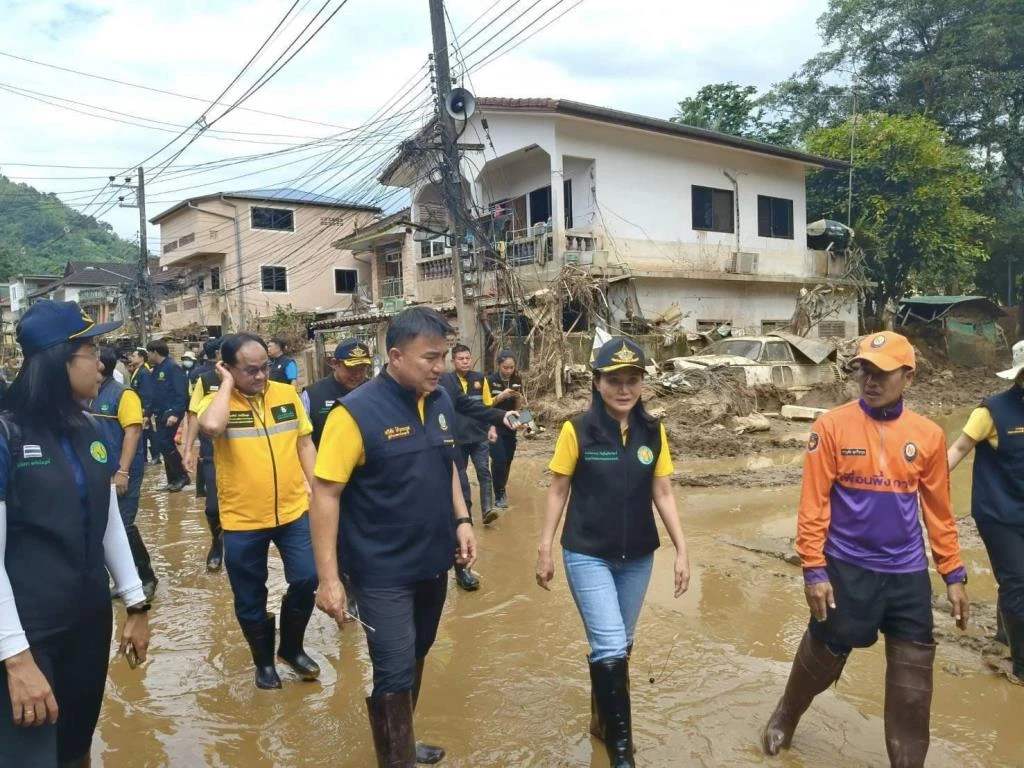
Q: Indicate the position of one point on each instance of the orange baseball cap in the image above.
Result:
(887, 351)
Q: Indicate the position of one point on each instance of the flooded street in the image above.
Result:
(507, 683)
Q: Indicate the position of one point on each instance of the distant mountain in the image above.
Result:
(39, 234)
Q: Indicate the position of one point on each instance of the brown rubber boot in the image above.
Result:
(426, 754)
(908, 701)
(391, 724)
(815, 668)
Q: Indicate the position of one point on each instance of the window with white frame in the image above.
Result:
(274, 279)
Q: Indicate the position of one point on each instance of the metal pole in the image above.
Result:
(452, 179)
(853, 134)
(144, 292)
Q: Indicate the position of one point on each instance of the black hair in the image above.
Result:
(280, 343)
(210, 347)
(160, 347)
(458, 349)
(505, 354)
(639, 410)
(230, 344)
(414, 322)
(108, 359)
(41, 393)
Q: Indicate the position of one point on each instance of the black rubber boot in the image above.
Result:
(814, 669)
(610, 679)
(908, 701)
(1001, 636)
(596, 723)
(466, 579)
(1015, 636)
(260, 636)
(391, 724)
(215, 557)
(293, 630)
(426, 754)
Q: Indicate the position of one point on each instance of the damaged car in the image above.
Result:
(779, 359)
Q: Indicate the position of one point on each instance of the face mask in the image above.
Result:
(186, 364)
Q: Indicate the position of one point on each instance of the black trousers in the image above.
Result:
(897, 604)
(172, 459)
(149, 443)
(405, 620)
(75, 664)
(208, 472)
(1005, 546)
(503, 451)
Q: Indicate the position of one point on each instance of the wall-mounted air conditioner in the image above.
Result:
(744, 262)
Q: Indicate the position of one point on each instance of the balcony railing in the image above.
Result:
(437, 268)
(392, 287)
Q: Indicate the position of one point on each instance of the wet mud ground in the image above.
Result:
(507, 683)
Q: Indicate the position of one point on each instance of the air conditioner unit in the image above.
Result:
(744, 262)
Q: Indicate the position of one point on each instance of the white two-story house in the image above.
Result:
(670, 214)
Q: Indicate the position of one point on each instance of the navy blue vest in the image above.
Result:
(104, 407)
(279, 368)
(397, 524)
(323, 395)
(997, 490)
(467, 429)
(210, 382)
(610, 512)
(54, 554)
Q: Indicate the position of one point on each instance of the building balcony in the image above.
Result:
(393, 287)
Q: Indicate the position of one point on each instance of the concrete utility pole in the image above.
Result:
(469, 327)
(143, 289)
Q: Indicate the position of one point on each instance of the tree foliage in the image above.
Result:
(733, 109)
(913, 198)
(39, 234)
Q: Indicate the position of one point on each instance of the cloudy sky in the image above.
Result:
(344, 101)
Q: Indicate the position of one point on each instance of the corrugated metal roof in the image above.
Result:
(283, 195)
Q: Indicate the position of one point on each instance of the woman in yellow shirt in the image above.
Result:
(612, 465)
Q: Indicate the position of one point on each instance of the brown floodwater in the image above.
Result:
(507, 682)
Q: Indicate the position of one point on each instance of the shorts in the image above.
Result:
(897, 604)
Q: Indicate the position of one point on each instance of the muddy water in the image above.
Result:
(507, 682)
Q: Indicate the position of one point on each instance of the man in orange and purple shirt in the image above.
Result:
(872, 469)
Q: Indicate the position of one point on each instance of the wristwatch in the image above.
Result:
(460, 520)
(142, 607)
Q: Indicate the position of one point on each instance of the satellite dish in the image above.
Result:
(460, 104)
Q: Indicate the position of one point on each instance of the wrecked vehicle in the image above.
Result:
(783, 360)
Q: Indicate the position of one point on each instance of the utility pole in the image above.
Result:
(142, 290)
(469, 327)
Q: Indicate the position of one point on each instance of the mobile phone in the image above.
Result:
(517, 386)
(132, 657)
(525, 416)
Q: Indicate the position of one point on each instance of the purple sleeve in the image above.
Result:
(955, 577)
(815, 576)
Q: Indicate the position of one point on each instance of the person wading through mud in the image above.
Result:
(507, 387)
(264, 458)
(386, 467)
(995, 431)
(613, 465)
(60, 535)
(871, 469)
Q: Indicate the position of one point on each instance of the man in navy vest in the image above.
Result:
(995, 430)
(118, 412)
(386, 467)
(141, 380)
(350, 367)
(282, 368)
(170, 400)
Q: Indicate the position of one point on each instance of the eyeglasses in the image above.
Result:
(94, 356)
(255, 370)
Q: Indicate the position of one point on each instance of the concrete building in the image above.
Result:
(98, 287)
(244, 254)
(21, 287)
(669, 214)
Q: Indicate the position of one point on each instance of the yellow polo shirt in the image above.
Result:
(980, 426)
(129, 410)
(260, 483)
(567, 452)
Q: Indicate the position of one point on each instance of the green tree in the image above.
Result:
(913, 193)
(733, 109)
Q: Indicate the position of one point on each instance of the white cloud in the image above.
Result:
(641, 55)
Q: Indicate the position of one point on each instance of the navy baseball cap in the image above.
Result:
(48, 323)
(619, 353)
(352, 352)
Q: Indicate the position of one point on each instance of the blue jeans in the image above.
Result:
(245, 556)
(609, 595)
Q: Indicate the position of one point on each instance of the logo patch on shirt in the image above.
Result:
(442, 422)
(31, 452)
(600, 456)
(105, 408)
(241, 419)
(812, 442)
(395, 433)
(853, 452)
(910, 451)
(98, 451)
(878, 341)
(645, 455)
(160, 376)
(284, 412)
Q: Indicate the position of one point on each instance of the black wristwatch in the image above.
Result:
(460, 520)
(142, 607)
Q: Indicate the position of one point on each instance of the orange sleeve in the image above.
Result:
(815, 511)
(937, 508)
